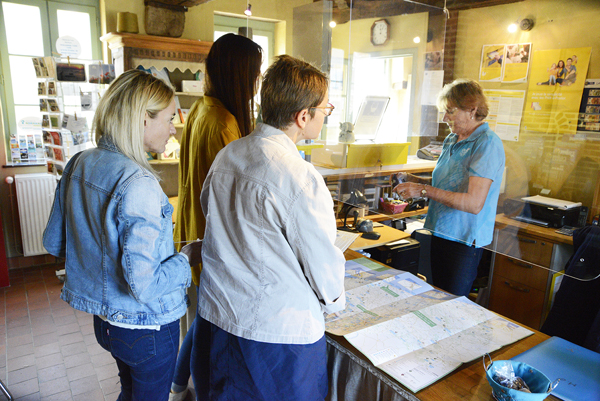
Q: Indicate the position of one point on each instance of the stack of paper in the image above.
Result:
(557, 203)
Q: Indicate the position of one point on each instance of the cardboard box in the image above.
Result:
(192, 86)
(344, 155)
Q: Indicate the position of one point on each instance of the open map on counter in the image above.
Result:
(410, 330)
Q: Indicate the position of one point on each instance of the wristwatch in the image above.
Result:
(424, 191)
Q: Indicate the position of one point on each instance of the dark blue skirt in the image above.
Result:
(227, 367)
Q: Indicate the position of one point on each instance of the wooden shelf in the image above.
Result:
(127, 46)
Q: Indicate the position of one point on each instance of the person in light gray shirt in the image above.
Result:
(270, 266)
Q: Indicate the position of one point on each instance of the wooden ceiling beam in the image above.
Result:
(362, 9)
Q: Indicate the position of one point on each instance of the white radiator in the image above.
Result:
(35, 194)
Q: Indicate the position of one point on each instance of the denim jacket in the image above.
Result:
(112, 222)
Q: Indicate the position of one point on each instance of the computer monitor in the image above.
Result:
(369, 118)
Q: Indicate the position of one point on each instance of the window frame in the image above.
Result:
(49, 24)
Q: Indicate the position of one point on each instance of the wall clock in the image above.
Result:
(380, 32)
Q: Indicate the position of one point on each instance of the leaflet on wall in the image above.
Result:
(492, 58)
(505, 112)
(505, 63)
(516, 62)
(555, 90)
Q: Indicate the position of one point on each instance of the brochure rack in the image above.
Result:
(67, 104)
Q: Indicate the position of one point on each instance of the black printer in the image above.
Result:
(545, 212)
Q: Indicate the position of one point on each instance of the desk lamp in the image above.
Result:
(356, 199)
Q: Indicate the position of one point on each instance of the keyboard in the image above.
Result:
(531, 221)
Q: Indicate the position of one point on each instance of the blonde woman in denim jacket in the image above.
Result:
(112, 222)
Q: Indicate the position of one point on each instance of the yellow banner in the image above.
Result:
(555, 88)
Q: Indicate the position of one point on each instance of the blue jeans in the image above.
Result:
(145, 358)
(182, 369)
(454, 265)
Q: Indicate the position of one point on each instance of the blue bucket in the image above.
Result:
(539, 385)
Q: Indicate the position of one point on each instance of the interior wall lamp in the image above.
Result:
(526, 24)
(248, 11)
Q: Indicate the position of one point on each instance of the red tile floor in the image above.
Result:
(48, 350)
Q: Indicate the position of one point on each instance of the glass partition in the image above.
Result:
(543, 109)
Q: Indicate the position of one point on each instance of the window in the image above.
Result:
(29, 29)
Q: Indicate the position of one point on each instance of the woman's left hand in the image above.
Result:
(408, 190)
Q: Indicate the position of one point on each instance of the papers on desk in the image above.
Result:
(344, 239)
(413, 224)
(557, 203)
(411, 331)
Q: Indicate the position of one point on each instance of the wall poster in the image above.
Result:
(555, 90)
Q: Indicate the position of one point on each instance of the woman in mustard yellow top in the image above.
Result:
(223, 115)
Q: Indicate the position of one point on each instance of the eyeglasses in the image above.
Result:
(327, 109)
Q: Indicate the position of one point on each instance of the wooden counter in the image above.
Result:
(504, 222)
(414, 165)
(388, 234)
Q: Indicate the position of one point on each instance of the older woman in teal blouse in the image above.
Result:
(464, 188)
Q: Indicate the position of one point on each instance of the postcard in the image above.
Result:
(43, 105)
(56, 138)
(53, 122)
(53, 106)
(70, 72)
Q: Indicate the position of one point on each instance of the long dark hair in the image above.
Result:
(559, 63)
(232, 70)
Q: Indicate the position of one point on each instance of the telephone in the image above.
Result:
(431, 151)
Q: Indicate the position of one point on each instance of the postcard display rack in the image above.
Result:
(67, 103)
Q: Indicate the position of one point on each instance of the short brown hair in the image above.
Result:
(465, 94)
(290, 86)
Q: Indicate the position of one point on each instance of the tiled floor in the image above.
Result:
(49, 351)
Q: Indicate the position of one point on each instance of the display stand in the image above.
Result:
(66, 107)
